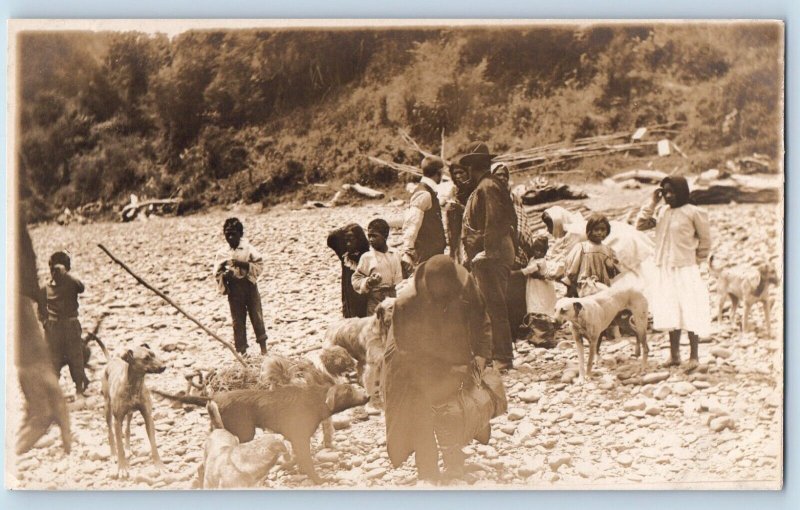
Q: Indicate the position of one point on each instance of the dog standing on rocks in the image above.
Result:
(125, 392)
(590, 316)
(749, 284)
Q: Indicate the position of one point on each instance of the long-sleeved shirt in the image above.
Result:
(61, 299)
(245, 252)
(385, 264)
(420, 202)
(683, 235)
(589, 259)
(489, 218)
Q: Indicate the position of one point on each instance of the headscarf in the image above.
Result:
(563, 221)
(680, 187)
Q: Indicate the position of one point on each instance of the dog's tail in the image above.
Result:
(214, 416)
(91, 336)
(185, 399)
(711, 268)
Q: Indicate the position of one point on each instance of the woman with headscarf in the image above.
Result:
(677, 294)
(440, 329)
(349, 243)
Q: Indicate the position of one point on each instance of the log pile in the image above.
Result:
(603, 145)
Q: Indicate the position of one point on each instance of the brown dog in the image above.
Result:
(227, 464)
(326, 368)
(748, 284)
(590, 316)
(294, 411)
(125, 392)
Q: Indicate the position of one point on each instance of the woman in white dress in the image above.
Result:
(678, 296)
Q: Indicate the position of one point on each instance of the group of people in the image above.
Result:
(451, 313)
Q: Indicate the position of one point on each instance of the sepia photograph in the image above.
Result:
(395, 254)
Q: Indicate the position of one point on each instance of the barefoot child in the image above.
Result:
(379, 270)
(591, 258)
(540, 293)
(236, 270)
(678, 296)
(61, 326)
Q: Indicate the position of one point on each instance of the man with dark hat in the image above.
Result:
(488, 236)
(439, 329)
(423, 229)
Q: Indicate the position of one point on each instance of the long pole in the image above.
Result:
(174, 305)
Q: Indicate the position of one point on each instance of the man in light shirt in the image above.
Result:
(423, 229)
(236, 270)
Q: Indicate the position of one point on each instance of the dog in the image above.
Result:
(227, 464)
(748, 284)
(590, 316)
(326, 368)
(125, 392)
(293, 411)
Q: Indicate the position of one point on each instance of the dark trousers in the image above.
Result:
(245, 300)
(66, 347)
(491, 276)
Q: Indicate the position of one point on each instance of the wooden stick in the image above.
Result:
(397, 166)
(171, 302)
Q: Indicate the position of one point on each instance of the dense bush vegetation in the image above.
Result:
(255, 115)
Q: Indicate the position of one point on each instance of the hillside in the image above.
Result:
(259, 115)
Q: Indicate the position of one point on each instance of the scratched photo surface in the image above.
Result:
(395, 254)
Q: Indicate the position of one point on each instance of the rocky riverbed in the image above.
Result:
(722, 423)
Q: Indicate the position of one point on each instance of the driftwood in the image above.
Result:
(130, 211)
(174, 305)
(549, 194)
(645, 176)
(408, 169)
(363, 190)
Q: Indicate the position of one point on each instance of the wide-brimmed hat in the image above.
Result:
(477, 151)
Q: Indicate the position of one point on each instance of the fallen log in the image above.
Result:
(363, 190)
(174, 305)
(130, 211)
(645, 176)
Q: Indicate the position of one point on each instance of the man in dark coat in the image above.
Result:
(349, 243)
(423, 229)
(454, 210)
(488, 236)
(439, 329)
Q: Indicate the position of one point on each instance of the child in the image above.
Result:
(236, 270)
(379, 270)
(61, 325)
(540, 293)
(678, 297)
(591, 258)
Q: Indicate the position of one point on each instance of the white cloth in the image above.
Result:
(245, 252)
(679, 299)
(683, 236)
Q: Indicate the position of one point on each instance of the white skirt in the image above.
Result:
(679, 299)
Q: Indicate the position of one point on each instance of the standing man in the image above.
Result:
(488, 235)
(236, 270)
(423, 229)
(454, 210)
(439, 330)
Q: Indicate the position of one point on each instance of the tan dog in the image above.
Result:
(748, 284)
(125, 392)
(360, 335)
(590, 316)
(230, 465)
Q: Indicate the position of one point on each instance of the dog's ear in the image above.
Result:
(128, 356)
(330, 399)
(146, 346)
(577, 307)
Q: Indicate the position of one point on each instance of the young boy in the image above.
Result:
(236, 270)
(60, 315)
(379, 270)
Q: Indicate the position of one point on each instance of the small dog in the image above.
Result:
(590, 316)
(294, 412)
(748, 284)
(125, 392)
(361, 336)
(327, 368)
(230, 465)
